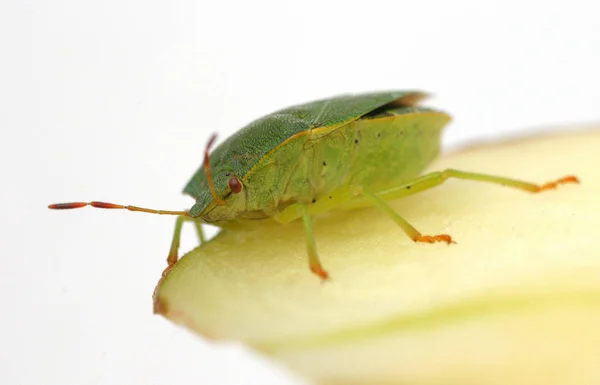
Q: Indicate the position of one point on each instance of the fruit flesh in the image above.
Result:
(520, 288)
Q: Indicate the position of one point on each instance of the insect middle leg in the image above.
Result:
(311, 245)
(409, 229)
(174, 250)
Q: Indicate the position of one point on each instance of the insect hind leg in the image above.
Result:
(434, 179)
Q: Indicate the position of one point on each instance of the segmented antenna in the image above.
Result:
(105, 205)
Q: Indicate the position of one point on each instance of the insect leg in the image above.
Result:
(174, 250)
(200, 232)
(409, 229)
(434, 179)
(313, 257)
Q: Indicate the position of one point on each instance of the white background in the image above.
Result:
(114, 100)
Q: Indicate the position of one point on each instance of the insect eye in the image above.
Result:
(235, 185)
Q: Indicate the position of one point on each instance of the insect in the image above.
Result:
(343, 152)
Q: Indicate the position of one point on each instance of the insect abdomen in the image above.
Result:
(380, 151)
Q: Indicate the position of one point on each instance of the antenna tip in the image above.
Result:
(67, 206)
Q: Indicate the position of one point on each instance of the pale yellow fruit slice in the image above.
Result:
(515, 301)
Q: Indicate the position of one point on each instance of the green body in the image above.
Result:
(318, 150)
(343, 152)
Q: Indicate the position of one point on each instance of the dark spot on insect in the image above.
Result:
(324, 163)
(379, 134)
(314, 200)
(408, 187)
(227, 173)
(329, 197)
(356, 141)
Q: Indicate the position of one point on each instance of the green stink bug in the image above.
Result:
(343, 152)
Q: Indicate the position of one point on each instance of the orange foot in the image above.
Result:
(318, 270)
(168, 268)
(434, 238)
(553, 185)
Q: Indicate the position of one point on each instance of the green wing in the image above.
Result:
(341, 110)
(240, 152)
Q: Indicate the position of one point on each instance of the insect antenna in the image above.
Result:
(211, 185)
(104, 205)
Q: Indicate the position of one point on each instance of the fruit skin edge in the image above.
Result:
(552, 284)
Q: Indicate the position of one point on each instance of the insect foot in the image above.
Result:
(167, 269)
(556, 183)
(318, 270)
(434, 238)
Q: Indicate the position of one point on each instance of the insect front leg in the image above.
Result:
(174, 250)
(199, 231)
